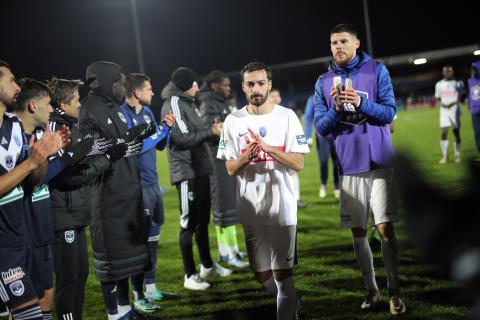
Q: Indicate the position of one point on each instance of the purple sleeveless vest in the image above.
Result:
(362, 144)
(474, 95)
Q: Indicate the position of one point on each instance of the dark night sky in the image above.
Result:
(43, 38)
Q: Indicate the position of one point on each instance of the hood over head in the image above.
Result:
(101, 75)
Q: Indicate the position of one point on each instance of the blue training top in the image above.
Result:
(147, 159)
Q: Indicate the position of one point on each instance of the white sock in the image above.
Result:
(271, 286)
(150, 287)
(123, 310)
(456, 148)
(365, 262)
(113, 316)
(390, 260)
(286, 299)
(444, 147)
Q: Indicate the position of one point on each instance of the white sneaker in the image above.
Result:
(322, 193)
(214, 270)
(457, 159)
(336, 193)
(195, 283)
(442, 161)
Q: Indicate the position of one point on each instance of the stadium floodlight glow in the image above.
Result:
(420, 61)
(476, 53)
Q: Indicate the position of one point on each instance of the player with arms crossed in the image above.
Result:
(264, 145)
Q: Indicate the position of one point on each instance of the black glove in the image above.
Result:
(141, 132)
(116, 151)
(124, 150)
(133, 148)
(100, 146)
(74, 153)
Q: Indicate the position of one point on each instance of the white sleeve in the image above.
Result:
(226, 146)
(296, 141)
(438, 95)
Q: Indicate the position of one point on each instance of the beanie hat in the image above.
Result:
(184, 78)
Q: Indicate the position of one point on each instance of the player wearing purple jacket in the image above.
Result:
(354, 102)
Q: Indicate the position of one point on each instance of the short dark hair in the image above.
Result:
(255, 66)
(4, 64)
(345, 27)
(215, 76)
(62, 90)
(30, 89)
(135, 81)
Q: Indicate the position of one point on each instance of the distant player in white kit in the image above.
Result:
(448, 92)
(264, 145)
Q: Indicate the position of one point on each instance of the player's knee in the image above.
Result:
(386, 230)
(46, 301)
(281, 275)
(359, 232)
(263, 276)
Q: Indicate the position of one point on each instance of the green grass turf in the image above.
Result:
(327, 276)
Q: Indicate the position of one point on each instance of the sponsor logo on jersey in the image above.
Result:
(242, 134)
(4, 141)
(221, 144)
(9, 161)
(122, 117)
(262, 131)
(17, 288)
(69, 236)
(109, 121)
(263, 156)
(12, 275)
(147, 119)
(301, 139)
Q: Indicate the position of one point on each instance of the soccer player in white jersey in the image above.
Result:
(264, 145)
(448, 92)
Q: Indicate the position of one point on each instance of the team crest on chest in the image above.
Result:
(69, 236)
(262, 131)
(147, 119)
(122, 117)
(135, 121)
(475, 93)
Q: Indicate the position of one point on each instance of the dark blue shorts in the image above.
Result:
(42, 273)
(152, 200)
(16, 285)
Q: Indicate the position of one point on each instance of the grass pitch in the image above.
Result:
(327, 276)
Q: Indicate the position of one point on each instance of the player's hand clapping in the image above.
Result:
(262, 144)
(217, 128)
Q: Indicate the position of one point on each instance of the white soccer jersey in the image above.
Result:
(448, 91)
(266, 190)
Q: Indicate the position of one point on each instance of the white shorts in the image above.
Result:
(450, 117)
(271, 247)
(360, 192)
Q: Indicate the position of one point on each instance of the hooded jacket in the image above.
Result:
(362, 139)
(118, 226)
(214, 107)
(187, 153)
(71, 202)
